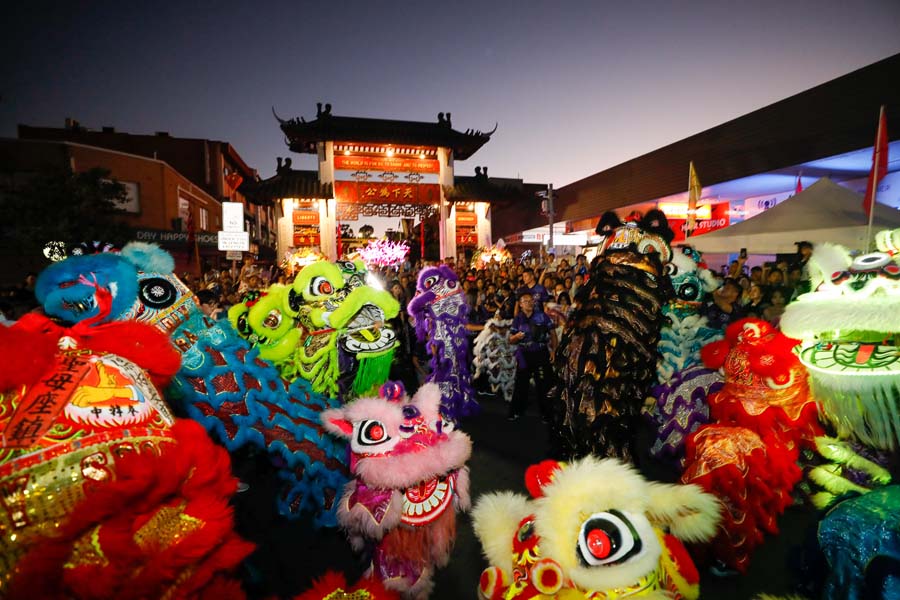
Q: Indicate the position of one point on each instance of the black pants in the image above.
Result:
(537, 365)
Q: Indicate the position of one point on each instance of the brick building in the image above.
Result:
(208, 172)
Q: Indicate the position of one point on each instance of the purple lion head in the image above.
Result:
(434, 284)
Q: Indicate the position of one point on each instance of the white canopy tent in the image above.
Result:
(823, 212)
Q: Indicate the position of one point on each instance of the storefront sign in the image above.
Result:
(466, 219)
(719, 219)
(370, 192)
(384, 163)
(525, 238)
(305, 217)
(234, 240)
(232, 216)
(166, 238)
(310, 239)
(466, 237)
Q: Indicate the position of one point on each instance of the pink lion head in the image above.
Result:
(399, 441)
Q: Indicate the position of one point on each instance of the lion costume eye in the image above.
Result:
(870, 262)
(273, 319)
(371, 433)
(320, 286)
(607, 538)
(243, 326)
(157, 292)
(781, 382)
(429, 282)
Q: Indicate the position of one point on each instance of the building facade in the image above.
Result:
(214, 170)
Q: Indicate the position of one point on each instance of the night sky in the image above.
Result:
(576, 87)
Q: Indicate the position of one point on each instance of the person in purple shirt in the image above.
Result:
(538, 292)
(534, 335)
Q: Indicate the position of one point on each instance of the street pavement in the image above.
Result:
(290, 554)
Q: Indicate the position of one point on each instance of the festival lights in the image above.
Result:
(384, 253)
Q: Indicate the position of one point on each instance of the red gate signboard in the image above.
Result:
(383, 163)
(371, 192)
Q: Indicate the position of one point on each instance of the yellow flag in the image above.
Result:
(694, 190)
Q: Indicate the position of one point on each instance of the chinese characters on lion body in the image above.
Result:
(97, 475)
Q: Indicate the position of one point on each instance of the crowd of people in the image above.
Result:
(538, 294)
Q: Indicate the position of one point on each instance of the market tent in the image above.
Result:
(823, 212)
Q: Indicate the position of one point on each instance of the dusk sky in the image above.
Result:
(576, 87)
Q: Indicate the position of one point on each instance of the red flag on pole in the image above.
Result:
(234, 181)
(879, 163)
(799, 187)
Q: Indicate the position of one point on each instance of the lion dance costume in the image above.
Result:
(410, 478)
(607, 360)
(439, 310)
(594, 530)
(495, 357)
(684, 383)
(848, 325)
(105, 493)
(761, 418)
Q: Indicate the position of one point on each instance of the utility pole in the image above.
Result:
(547, 209)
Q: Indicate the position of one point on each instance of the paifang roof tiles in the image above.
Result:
(494, 190)
(302, 136)
(830, 119)
(287, 183)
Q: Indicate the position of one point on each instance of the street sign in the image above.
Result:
(234, 240)
(232, 216)
(233, 255)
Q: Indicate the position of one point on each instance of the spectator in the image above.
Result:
(534, 334)
(756, 275)
(778, 299)
(534, 289)
(724, 307)
(576, 284)
(581, 267)
(755, 301)
(209, 304)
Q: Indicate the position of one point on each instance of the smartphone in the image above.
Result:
(743, 253)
